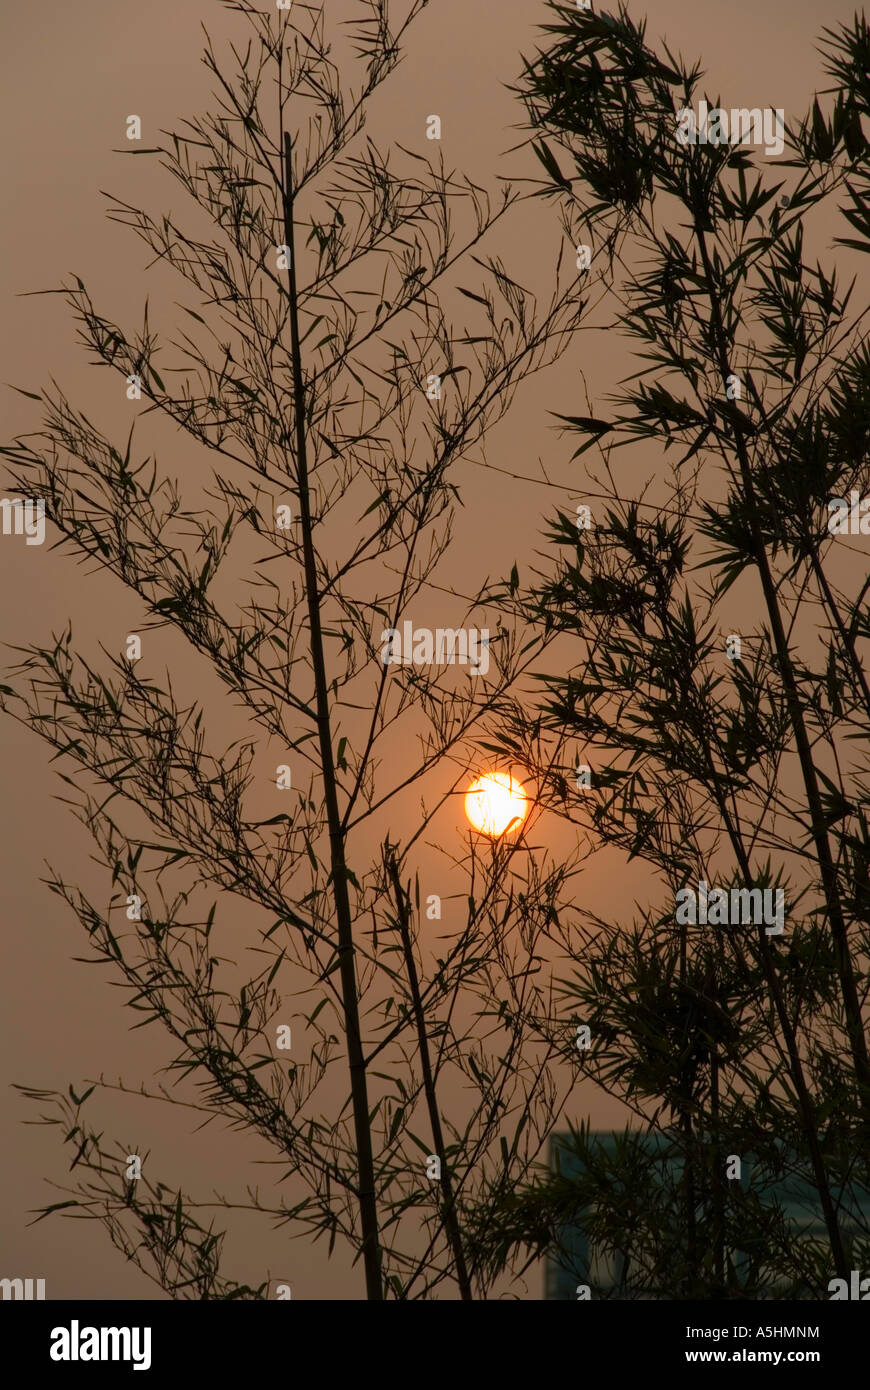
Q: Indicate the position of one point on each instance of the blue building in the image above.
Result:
(609, 1273)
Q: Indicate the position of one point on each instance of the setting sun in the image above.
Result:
(496, 802)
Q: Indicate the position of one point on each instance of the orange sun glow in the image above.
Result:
(495, 803)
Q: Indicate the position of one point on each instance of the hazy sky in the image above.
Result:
(73, 72)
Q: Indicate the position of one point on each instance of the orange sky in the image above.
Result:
(72, 73)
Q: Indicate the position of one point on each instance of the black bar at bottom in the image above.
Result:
(167, 1340)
